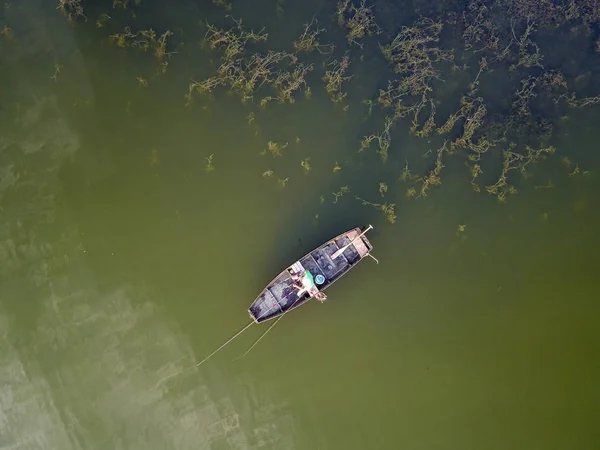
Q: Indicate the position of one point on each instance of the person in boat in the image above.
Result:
(304, 282)
(297, 276)
(297, 280)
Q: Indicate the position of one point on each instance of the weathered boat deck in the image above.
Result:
(281, 295)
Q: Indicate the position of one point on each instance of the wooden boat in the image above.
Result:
(317, 270)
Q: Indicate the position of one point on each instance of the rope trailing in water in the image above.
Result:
(269, 329)
(207, 358)
(262, 336)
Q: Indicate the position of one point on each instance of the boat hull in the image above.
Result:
(280, 295)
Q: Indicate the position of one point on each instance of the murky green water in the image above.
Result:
(123, 261)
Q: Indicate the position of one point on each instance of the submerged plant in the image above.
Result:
(143, 40)
(209, 163)
(343, 190)
(232, 42)
(309, 39)
(305, 165)
(358, 19)
(288, 82)
(383, 138)
(413, 54)
(279, 72)
(515, 161)
(388, 210)
(102, 20)
(6, 32)
(203, 87)
(225, 4)
(273, 148)
(124, 4)
(433, 177)
(57, 68)
(72, 9)
(335, 76)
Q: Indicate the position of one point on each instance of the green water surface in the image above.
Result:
(123, 261)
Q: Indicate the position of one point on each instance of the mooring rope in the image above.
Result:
(207, 358)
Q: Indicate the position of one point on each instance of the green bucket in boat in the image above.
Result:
(308, 279)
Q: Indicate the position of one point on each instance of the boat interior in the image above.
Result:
(281, 294)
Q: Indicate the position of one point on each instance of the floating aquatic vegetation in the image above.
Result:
(335, 76)
(305, 165)
(287, 82)
(162, 67)
(433, 177)
(383, 188)
(209, 163)
(343, 190)
(407, 176)
(273, 148)
(431, 59)
(388, 210)
(102, 20)
(575, 102)
(6, 32)
(233, 41)
(358, 19)
(57, 68)
(475, 172)
(72, 9)
(515, 161)
(309, 39)
(203, 87)
(383, 139)
(282, 182)
(575, 171)
(279, 7)
(529, 52)
(125, 4)
(226, 5)
(143, 40)
(549, 185)
(245, 74)
(414, 56)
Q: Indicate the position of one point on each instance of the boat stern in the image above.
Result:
(366, 240)
(251, 314)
